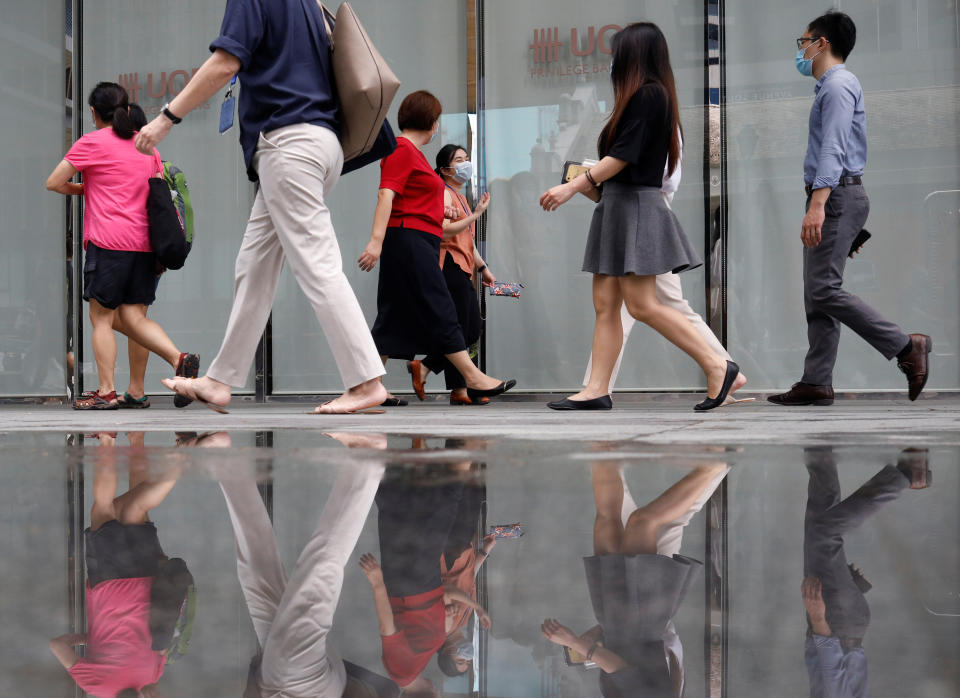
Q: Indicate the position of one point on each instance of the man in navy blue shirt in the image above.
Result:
(837, 208)
(289, 135)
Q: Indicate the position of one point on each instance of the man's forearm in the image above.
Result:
(818, 199)
(215, 72)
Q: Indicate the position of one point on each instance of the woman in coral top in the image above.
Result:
(415, 313)
(459, 261)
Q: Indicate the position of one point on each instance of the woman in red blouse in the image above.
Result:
(415, 313)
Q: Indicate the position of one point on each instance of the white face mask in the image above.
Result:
(463, 172)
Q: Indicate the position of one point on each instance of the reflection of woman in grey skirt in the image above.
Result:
(634, 236)
(636, 590)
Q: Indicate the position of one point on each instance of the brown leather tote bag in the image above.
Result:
(365, 83)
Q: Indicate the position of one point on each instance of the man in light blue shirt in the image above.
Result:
(837, 209)
(833, 591)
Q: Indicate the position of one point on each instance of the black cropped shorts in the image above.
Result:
(118, 277)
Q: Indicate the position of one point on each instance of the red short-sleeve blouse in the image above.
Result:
(418, 202)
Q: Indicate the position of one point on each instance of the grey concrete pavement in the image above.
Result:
(653, 418)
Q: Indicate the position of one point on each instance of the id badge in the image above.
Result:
(227, 108)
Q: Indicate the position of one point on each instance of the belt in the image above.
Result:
(844, 182)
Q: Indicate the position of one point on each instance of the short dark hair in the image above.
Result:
(418, 111)
(838, 29)
(448, 664)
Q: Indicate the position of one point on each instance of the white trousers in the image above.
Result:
(670, 293)
(293, 617)
(297, 165)
(669, 539)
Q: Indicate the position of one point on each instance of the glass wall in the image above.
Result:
(548, 94)
(152, 49)
(427, 49)
(545, 93)
(907, 60)
(33, 306)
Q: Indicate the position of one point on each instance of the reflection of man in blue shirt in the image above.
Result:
(837, 209)
(833, 591)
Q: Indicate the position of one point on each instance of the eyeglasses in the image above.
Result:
(804, 39)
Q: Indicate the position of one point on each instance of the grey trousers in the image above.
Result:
(826, 303)
(827, 520)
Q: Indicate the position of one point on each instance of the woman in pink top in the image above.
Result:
(120, 270)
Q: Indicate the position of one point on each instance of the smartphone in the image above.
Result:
(574, 658)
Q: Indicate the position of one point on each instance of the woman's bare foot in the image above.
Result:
(359, 397)
(484, 382)
(205, 389)
(358, 440)
(715, 377)
(587, 394)
(739, 382)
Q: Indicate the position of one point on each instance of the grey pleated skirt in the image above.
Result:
(634, 596)
(633, 231)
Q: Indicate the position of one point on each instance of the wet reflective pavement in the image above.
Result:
(293, 562)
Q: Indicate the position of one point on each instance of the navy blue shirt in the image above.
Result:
(285, 74)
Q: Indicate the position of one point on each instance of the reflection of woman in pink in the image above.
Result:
(123, 558)
(459, 260)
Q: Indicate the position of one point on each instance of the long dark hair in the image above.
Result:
(446, 155)
(641, 57)
(110, 101)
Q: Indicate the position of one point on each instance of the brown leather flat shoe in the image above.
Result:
(464, 400)
(916, 364)
(413, 368)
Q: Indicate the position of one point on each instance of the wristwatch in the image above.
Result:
(169, 114)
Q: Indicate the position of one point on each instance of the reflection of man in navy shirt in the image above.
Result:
(833, 591)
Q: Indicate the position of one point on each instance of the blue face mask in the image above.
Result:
(805, 65)
(463, 171)
(465, 651)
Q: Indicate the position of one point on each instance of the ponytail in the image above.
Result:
(122, 124)
(110, 101)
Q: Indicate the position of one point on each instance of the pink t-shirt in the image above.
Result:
(115, 188)
(118, 652)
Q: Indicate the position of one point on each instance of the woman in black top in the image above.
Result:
(634, 235)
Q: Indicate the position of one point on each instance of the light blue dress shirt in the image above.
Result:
(837, 144)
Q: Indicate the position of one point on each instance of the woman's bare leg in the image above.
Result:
(145, 331)
(104, 344)
(607, 336)
(608, 497)
(474, 377)
(639, 293)
(640, 533)
(105, 483)
(138, 356)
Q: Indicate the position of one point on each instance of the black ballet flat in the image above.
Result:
(475, 393)
(598, 403)
(731, 375)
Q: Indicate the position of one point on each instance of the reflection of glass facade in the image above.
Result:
(525, 86)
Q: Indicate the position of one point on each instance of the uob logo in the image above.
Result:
(547, 44)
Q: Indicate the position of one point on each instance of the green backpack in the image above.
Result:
(180, 193)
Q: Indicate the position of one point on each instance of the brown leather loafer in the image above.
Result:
(413, 368)
(915, 364)
(804, 394)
